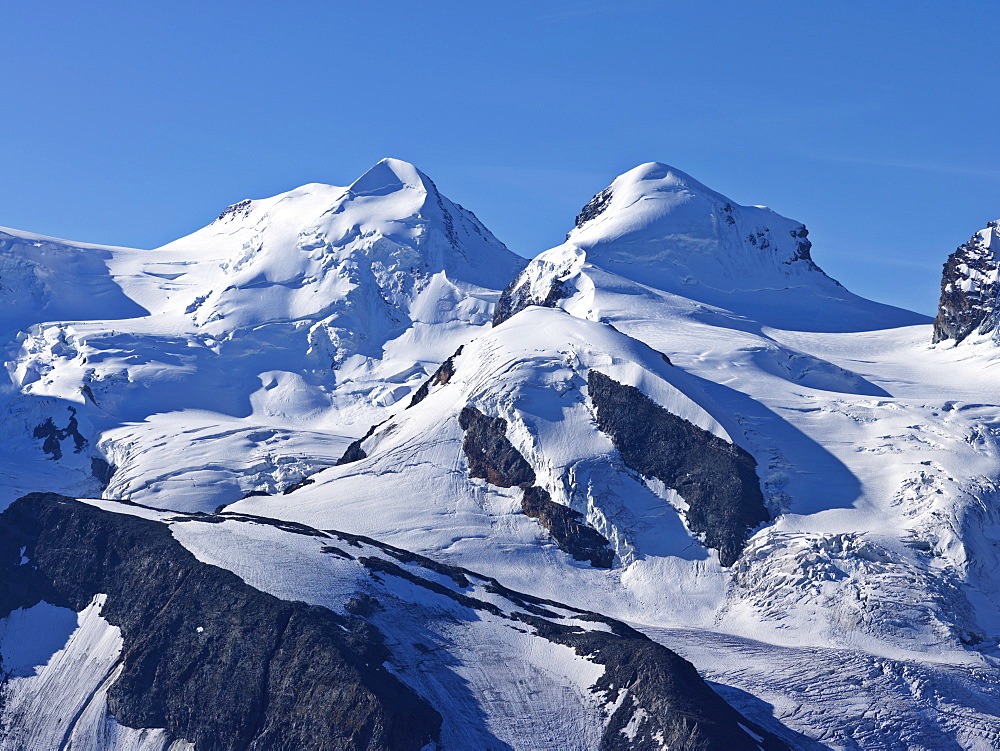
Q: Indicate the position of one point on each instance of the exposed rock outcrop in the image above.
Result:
(594, 208)
(717, 479)
(518, 295)
(52, 437)
(354, 452)
(218, 662)
(440, 377)
(568, 528)
(490, 453)
(494, 458)
(969, 288)
(207, 657)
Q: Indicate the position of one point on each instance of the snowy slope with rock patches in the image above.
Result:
(878, 451)
(877, 469)
(164, 631)
(242, 357)
(661, 228)
(462, 491)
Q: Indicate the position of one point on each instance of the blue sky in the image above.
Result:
(873, 123)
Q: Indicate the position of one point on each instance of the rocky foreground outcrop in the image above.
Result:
(224, 665)
(207, 657)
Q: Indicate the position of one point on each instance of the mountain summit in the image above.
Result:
(308, 476)
(320, 250)
(658, 227)
(389, 176)
(320, 301)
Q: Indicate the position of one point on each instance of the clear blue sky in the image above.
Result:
(876, 124)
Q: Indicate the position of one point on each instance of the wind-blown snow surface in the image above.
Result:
(285, 329)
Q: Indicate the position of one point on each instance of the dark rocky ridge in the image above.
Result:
(594, 208)
(493, 458)
(206, 656)
(491, 455)
(682, 712)
(445, 372)
(354, 452)
(567, 527)
(517, 296)
(969, 289)
(241, 208)
(72, 550)
(803, 249)
(679, 713)
(439, 377)
(717, 479)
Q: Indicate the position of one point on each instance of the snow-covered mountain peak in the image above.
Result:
(320, 249)
(657, 227)
(323, 305)
(649, 181)
(657, 224)
(391, 175)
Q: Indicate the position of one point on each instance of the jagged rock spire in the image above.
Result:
(969, 288)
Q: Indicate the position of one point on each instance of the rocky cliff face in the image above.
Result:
(519, 295)
(207, 657)
(492, 457)
(717, 479)
(969, 288)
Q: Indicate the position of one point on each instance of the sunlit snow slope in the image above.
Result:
(676, 419)
(238, 358)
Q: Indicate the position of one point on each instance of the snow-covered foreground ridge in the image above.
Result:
(674, 419)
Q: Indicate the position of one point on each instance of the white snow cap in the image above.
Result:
(389, 176)
(658, 225)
